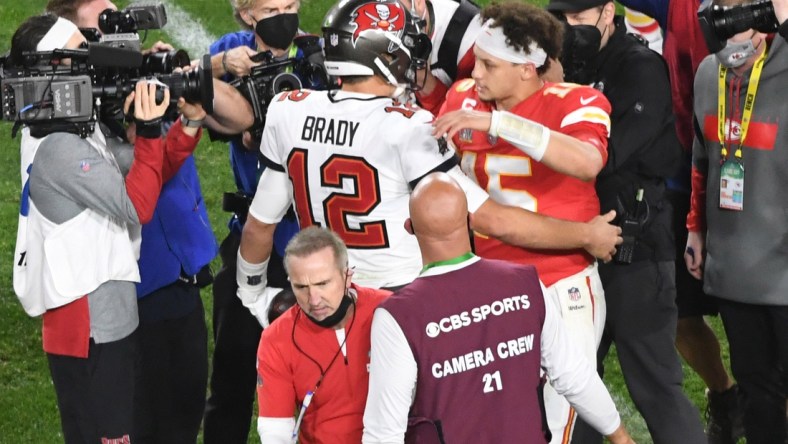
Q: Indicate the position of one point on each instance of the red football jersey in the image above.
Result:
(513, 178)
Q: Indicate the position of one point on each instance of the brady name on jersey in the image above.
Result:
(351, 170)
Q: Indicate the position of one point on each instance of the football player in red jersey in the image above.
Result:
(537, 145)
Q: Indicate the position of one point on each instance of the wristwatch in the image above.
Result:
(190, 123)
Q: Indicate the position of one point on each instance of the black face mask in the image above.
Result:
(336, 317)
(278, 31)
(581, 45)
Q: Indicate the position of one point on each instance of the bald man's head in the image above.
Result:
(438, 207)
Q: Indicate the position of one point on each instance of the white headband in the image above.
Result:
(57, 36)
(493, 41)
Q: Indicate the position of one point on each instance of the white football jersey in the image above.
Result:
(351, 159)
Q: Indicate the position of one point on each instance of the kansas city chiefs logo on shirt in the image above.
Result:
(382, 16)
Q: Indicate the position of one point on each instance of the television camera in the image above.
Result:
(274, 76)
(49, 95)
(719, 23)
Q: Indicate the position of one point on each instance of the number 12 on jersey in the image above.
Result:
(339, 206)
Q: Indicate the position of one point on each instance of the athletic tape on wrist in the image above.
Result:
(530, 137)
(251, 276)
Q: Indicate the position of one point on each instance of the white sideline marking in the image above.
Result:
(185, 31)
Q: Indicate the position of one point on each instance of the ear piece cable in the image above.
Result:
(310, 394)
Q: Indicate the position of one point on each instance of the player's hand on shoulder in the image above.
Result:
(603, 236)
(452, 122)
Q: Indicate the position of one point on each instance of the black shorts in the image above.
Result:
(690, 298)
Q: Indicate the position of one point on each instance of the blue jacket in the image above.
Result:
(245, 163)
(179, 236)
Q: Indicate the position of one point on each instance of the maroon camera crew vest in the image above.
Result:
(475, 335)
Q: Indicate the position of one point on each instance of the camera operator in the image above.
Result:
(81, 210)
(738, 214)
(177, 246)
(268, 25)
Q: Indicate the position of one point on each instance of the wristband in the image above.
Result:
(251, 276)
(528, 136)
(185, 121)
(150, 129)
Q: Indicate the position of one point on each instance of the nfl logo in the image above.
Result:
(574, 294)
(466, 135)
(84, 166)
(334, 39)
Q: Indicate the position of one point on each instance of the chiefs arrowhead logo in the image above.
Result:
(383, 16)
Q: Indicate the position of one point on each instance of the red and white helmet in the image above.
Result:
(370, 37)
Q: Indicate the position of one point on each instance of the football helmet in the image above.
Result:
(374, 37)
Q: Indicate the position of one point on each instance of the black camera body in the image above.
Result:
(719, 23)
(135, 18)
(119, 28)
(274, 76)
(48, 94)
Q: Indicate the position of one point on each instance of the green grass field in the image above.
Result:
(27, 398)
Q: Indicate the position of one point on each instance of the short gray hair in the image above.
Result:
(241, 5)
(313, 239)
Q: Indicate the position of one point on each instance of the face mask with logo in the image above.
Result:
(278, 30)
(734, 55)
(581, 45)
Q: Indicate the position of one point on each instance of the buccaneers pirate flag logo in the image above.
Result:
(382, 16)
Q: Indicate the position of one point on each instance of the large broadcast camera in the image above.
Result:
(274, 76)
(73, 96)
(719, 23)
(52, 96)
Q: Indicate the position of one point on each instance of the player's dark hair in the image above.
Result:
(28, 35)
(523, 23)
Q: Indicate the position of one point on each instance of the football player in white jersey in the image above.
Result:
(348, 159)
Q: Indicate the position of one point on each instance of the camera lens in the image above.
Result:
(284, 82)
(728, 22)
(164, 62)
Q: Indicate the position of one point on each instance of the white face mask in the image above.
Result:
(734, 55)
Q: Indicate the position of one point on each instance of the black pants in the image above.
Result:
(758, 339)
(641, 320)
(95, 395)
(236, 333)
(170, 396)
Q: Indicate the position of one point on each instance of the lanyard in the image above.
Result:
(749, 104)
(291, 55)
(454, 261)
